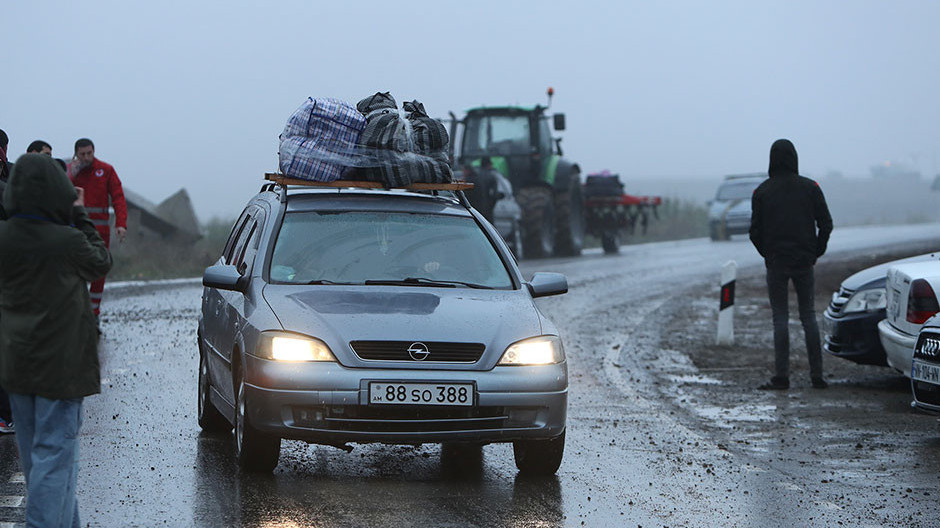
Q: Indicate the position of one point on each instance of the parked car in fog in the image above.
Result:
(925, 368)
(729, 213)
(911, 300)
(850, 322)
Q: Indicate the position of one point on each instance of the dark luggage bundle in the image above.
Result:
(320, 139)
(431, 140)
(385, 139)
(397, 151)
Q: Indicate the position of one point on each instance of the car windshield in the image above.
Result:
(737, 190)
(381, 247)
(497, 136)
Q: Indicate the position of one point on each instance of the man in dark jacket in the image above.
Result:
(790, 227)
(49, 250)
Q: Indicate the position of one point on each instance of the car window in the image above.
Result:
(354, 247)
(737, 190)
(251, 246)
(233, 236)
(238, 251)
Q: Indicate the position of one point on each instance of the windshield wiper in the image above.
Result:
(421, 281)
(326, 281)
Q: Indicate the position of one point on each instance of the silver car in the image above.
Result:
(358, 316)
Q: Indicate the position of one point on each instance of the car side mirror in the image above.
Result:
(544, 284)
(224, 277)
(559, 121)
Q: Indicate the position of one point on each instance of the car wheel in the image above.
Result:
(539, 457)
(210, 419)
(256, 451)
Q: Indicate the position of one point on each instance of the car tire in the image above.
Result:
(539, 457)
(209, 417)
(256, 452)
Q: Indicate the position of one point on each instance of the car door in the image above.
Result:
(230, 304)
(212, 300)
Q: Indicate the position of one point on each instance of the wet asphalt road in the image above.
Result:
(631, 458)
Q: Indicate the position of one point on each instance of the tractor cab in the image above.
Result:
(518, 142)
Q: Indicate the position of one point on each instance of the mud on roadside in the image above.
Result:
(855, 447)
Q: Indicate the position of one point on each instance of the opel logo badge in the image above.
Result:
(418, 351)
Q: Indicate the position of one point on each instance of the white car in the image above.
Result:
(911, 300)
(925, 373)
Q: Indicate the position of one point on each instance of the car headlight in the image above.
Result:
(281, 346)
(866, 301)
(544, 350)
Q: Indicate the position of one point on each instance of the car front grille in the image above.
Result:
(838, 300)
(928, 347)
(436, 351)
(388, 419)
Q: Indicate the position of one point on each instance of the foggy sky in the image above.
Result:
(194, 94)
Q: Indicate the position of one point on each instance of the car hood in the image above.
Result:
(340, 314)
(875, 276)
(720, 208)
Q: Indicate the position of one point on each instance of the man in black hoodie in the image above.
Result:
(790, 227)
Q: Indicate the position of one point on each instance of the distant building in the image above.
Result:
(173, 220)
(894, 171)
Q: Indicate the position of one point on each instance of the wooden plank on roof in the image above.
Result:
(280, 179)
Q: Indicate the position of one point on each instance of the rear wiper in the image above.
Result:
(421, 281)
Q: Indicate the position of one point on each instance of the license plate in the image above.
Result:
(925, 372)
(827, 326)
(391, 393)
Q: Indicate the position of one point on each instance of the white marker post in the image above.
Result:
(726, 305)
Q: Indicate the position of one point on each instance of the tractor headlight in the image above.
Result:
(543, 350)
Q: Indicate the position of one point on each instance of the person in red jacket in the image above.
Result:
(102, 190)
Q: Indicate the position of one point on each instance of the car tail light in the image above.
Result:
(921, 302)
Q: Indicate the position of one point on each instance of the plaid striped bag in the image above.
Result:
(432, 164)
(384, 142)
(319, 141)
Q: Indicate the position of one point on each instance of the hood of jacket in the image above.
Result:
(783, 159)
(39, 187)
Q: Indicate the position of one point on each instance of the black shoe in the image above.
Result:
(819, 383)
(776, 383)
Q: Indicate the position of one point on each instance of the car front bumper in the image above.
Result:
(329, 404)
(854, 337)
(899, 347)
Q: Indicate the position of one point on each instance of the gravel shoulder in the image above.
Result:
(856, 448)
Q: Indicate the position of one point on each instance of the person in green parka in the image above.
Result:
(49, 251)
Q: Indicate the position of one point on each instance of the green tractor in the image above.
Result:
(518, 142)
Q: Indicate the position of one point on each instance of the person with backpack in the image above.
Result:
(790, 228)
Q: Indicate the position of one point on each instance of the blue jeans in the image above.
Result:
(47, 436)
(778, 278)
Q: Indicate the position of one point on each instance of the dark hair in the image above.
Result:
(84, 142)
(37, 146)
(4, 139)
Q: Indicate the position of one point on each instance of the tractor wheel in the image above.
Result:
(610, 242)
(569, 207)
(538, 220)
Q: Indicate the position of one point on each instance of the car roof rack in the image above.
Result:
(283, 181)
